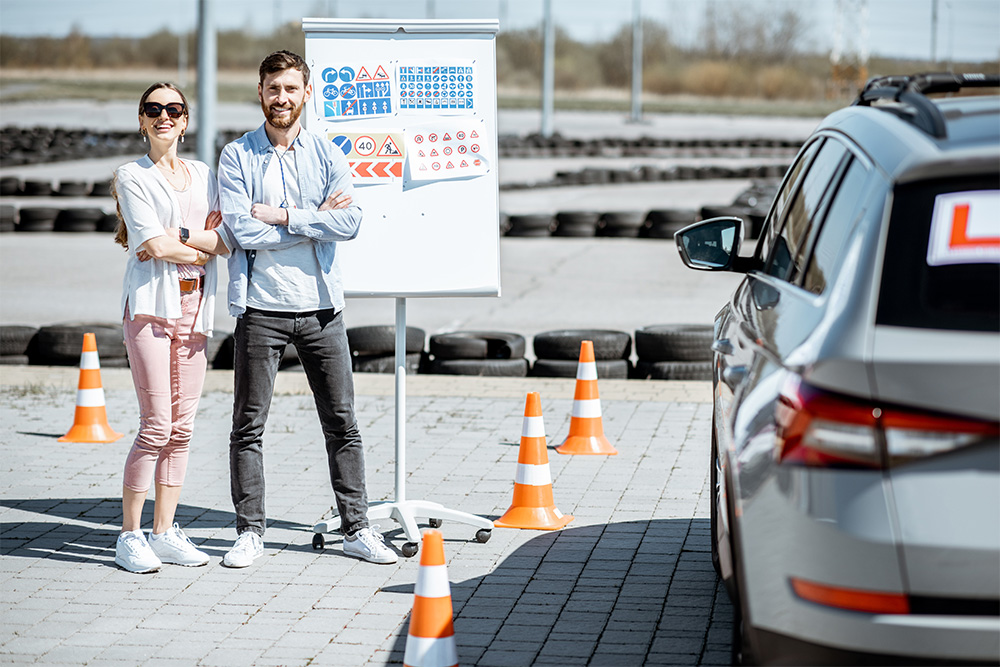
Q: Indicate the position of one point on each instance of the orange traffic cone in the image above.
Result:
(533, 505)
(430, 641)
(90, 423)
(586, 430)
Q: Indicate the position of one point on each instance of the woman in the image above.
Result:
(169, 223)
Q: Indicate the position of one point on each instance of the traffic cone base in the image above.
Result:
(90, 421)
(536, 518)
(533, 507)
(430, 639)
(583, 445)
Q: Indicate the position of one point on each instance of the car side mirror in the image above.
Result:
(711, 245)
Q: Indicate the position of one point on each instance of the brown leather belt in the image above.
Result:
(189, 285)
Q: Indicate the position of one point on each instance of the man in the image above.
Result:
(279, 188)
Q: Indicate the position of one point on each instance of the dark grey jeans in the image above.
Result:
(320, 339)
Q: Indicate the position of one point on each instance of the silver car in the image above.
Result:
(855, 461)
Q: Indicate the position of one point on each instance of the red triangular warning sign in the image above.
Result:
(447, 137)
(363, 75)
(380, 73)
(474, 135)
(421, 154)
(464, 164)
(423, 167)
(434, 152)
(449, 166)
(389, 148)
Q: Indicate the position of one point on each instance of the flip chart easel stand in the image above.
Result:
(402, 511)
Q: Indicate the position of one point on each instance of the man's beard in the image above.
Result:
(285, 122)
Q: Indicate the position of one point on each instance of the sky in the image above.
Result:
(967, 30)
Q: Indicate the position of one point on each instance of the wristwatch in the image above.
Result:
(185, 234)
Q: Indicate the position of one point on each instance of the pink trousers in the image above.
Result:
(168, 364)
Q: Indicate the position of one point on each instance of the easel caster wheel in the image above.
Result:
(409, 549)
(483, 535)
(318, 541)
(435, 523)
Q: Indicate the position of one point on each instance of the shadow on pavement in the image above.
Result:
(632, 593)
(79, 543)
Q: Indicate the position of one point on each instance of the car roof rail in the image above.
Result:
(909, 92)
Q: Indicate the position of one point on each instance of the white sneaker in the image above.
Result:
(249, 546)
(175, 547)
(367, 544)
(132, 552)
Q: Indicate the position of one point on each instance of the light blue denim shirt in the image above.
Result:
(322, 170)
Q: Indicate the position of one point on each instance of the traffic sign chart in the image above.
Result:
(433, 87)
(356, 92)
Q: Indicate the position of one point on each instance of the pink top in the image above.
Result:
(193, 214)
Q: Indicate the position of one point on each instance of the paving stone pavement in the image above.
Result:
(628, 582)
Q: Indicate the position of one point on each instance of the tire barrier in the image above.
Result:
(36, 219)
(649, 173)
(530, 225)
(15, 338)
(482, 353)
(576, 223)
(78, 220)
(674, 352)
(612, 369)
(477, 345)
(665, 351)
(565, 344)
(10, 186)
(373, 348)
(621, 224)
(59, 344)
(6, 218)
(43, 144)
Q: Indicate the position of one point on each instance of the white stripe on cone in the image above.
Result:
(533, 427)
(89, 361)
(587, 408)
(587, 370)
(533, 475)
(430, 651)
(432, 582)
(90, 398)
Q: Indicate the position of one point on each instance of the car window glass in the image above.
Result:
(789, 249)
(781, 199)
(836, 227)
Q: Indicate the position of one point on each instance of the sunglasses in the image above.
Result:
(153, 109)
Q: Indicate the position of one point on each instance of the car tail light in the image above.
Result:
(871, 602)
(820, 428)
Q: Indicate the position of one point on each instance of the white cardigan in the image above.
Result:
(148, 206)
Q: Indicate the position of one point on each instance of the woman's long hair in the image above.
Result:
(121, 231)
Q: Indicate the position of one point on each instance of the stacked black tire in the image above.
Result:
(15, 340)
(481, 353)
(61, 344)
(674, 352)
(373, 348)
(557, 353)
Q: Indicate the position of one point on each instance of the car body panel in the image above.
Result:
(927, 527)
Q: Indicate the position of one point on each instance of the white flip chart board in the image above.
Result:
(413, 106)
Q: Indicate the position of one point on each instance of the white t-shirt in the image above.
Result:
(285, 279)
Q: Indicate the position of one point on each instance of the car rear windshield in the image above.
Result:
(937, 281)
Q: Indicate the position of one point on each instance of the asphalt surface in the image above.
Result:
(628, 582)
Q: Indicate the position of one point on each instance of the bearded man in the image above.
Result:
(286, 198)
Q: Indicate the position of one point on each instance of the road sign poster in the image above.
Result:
(354, 91)
(446, 150)
(375, 157)
(438, 87)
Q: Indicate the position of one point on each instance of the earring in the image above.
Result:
(182, 137)
(143, 133)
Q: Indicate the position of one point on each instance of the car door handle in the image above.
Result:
(734, 376)
(722, 346)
